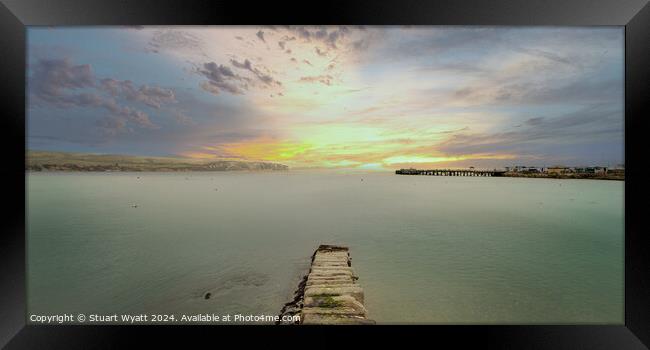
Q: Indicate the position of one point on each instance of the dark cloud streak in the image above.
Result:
(221, 78)
(247, 65)
(595, 123)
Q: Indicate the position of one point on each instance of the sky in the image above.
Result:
(344, 97)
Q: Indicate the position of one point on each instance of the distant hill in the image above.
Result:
(63, 161)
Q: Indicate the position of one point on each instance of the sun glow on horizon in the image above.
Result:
(332, 96)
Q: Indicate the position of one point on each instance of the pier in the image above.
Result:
(329, 293)
(451, 172)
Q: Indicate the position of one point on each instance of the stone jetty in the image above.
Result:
(329, 293)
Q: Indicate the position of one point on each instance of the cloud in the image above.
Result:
(173, 39)
(221, 78)
(329, 36)
(535, 121)
(118, 115)
(320, 52)
(151, 96)
(323, 79)
(52, 77)
(462, 92)
(283, 43)
(498, 91)
(548, 55)
(589, 125)
(260, 35)
(247, 65)
(55, 82)
(243, 65)
(116, 111)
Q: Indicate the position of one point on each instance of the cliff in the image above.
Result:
(63, 161)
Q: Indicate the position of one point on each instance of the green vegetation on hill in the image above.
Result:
(63, 161)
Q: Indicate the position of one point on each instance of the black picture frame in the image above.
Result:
(15, 15)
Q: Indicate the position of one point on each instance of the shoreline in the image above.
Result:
(616, 176)
(567, 176)
(86, 162)
(95, 171)
(161, 170)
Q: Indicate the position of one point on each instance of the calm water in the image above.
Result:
(427, 249)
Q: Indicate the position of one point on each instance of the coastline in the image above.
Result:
(41, 161)
(138, 170)
(102, 169)
(568, 176)
(471, 172)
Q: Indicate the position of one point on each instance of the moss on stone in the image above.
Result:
(324, 295)
(327, 301)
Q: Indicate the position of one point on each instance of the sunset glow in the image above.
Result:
(331, 97)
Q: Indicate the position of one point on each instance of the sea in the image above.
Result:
(427, 249)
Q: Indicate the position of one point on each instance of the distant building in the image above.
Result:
(558, 170)
(525, 169)
(585, 170)
(617, 170)
(600, 170)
